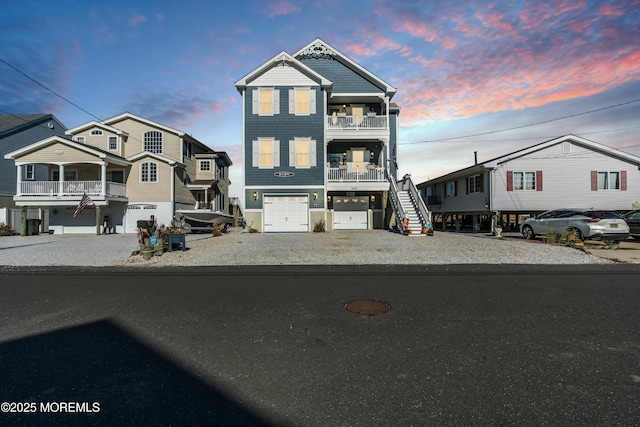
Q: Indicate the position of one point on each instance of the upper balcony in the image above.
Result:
(370, 126)
(366, 177)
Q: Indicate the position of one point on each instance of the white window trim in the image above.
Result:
(524, 181)
(275, 101)
(275, 152)
(293, 151)
(157, 173)
(96, 132)
(608, 181)
(293, 105)
(80, 139)
(29, 172)
(109, 143)
(203, 162)
(161, 141)
(476, 183)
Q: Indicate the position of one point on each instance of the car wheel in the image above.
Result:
(527, 232)
(575, 233)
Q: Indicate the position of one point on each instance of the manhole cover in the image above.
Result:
(367, 307)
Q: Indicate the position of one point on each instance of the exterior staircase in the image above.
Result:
(412, 215)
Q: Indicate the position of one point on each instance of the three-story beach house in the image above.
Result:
(130, 167)
(319, 136)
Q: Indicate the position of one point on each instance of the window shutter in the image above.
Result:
(292, 153)
(482, 183)
(468, 184)
(276, 153)
(312, 101)
(623, 180)
(255, 101)
(538, 180)
(292, 101)
(255, 148)
(455, 188)
(594, 180)
(312, 148)
(276, 101)
(509, 180)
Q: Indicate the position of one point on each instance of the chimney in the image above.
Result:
(475, 157)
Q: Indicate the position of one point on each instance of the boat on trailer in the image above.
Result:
(202, 219)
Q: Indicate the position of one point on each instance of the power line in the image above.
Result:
(526, 125)
(50, 90)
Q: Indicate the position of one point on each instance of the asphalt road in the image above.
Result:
(462, 345)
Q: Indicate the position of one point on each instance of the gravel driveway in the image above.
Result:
(335, 247)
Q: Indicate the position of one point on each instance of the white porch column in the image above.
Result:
(103, 179)
(60, 180)
(19, 180)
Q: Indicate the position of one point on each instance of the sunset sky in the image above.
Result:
(485, 76)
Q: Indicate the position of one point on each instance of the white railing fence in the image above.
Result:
(357, 122)
(356, 174)
(71, 188)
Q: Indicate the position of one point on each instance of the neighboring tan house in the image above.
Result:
(132, 168)
(17, 131)
(319, 143)
(569, 171)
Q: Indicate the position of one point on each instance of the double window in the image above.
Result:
(474, 184)
(451, 189)
(608, 180)
(524, 181)
(302, 152)
(152, 141)
(149, 172)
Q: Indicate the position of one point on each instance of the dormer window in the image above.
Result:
(96, 132)
(205, 165)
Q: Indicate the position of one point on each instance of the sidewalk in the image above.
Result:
(627, 252)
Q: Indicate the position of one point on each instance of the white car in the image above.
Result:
(582, 223)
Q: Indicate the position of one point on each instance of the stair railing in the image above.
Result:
(418, 203)
(395, 201)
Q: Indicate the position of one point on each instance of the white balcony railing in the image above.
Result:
(357, 122)
(347, 174)
(71, 188)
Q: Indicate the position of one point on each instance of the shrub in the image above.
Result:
(319, 227)
(5, 230)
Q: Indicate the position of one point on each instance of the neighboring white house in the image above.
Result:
(569, 171)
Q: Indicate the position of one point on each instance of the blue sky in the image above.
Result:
(465, 70)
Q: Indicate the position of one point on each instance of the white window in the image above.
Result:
(266, 153)
(80, 139)
(205, 165)
(29, 172)
(113, 143)
(149, 172)
(473, 184)
(266, 101)
(152, 141)
(302, 101)
(608, 180)
(524, 181)
(96, 132)
(302, 152)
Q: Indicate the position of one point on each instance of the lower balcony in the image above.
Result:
(56, 191)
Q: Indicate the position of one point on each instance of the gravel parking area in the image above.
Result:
(336, 247)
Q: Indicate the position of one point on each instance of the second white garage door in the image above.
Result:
(286, 213)
(350, 220)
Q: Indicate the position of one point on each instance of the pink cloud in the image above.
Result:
(283, 7)
(611, 10)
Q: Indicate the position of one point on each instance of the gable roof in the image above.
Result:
(164, 159)
(94, 124)
(319, 47)
(112, 158)
(10, 123)
(495, 162)
(282, 57)
(127, 115)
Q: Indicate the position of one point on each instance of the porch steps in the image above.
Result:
(409, 208)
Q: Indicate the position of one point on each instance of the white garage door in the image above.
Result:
(286, 213)
(350, 220)
(138, 212)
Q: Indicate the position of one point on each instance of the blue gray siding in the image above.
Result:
(14, 140)
(344, 79)
(284, 127)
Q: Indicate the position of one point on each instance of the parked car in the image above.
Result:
(582, 223)
(633, 221)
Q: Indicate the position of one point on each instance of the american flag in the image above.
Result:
(84, 202)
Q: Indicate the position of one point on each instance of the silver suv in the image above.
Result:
(582, 223)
